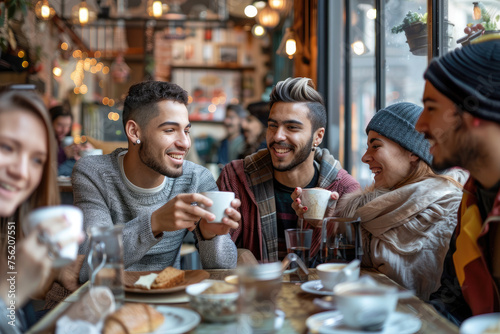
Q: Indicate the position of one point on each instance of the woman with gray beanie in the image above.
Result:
(409, 213)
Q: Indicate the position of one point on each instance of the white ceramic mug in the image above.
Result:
(316, 200)
(221, 201)
(332, 274)
(73, 215)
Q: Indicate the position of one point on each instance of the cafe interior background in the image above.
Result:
(88, 52)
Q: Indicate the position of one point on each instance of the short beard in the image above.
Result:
(299, 158)
(147, 158)
(467, 151)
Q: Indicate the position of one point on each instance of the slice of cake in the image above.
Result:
(168, 278)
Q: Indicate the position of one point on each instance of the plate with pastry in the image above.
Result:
(143, 318)
(167, 280)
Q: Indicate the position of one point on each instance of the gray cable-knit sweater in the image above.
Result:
(105, 199)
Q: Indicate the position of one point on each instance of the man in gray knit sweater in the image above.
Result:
(150, 189)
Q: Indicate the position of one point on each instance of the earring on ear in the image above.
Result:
(476, 122)
(138, 141)
(314, 148)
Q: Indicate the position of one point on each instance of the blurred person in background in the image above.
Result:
(28, 180)
(254, 128)
(77, 151)
(62, 119)
(232, 146)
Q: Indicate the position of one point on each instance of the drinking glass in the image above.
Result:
(106, 260)
(298, 241)
(340, 240)
(259, 288)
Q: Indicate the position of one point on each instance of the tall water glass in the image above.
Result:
(259, 288)
(106, 260)
(340, 240)
(298, 241)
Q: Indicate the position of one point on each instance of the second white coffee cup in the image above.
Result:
(316, 200)
(73, 215)
(221, 201)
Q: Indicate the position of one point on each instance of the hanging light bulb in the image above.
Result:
(250, 11)
(290, 47)
(268, 18)
(157, 8)
(282, 6)
(476, 11)
(358, 48)
(43, 10)
(83, 13)
(258, 30)
(57, 71)
(259, 4)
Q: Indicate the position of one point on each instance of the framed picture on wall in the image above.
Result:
(227, 54)
(210, 91)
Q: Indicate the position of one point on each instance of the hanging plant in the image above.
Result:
(410, 19)
(415, 27)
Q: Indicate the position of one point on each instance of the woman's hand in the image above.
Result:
(300, 209)
(34, 258)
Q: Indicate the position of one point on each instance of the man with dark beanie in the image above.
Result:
(461, 119)
(264, 181)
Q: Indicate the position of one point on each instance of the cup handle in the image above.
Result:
(98, 248)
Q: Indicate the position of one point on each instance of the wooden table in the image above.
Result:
(296, 304)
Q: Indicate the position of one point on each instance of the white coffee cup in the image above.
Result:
(365, 305)
(332, 274)
(73, 215)
(68, 140)
(316, 200)
(221, 201)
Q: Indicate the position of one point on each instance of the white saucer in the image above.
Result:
(316, 288)
(332, 323)
(479, 323)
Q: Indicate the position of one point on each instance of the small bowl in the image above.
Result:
(220, 307)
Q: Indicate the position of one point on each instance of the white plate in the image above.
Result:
(177, 320)
(315, 287)
(479, 323)
(332, 323)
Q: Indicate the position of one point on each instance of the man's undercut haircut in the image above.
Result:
(301, 90)
(140, 104)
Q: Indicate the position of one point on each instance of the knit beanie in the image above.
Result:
(470, 77)
(397, 122)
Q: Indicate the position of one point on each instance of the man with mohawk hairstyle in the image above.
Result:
(268, 181)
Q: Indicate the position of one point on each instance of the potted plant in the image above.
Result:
(415, 27)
